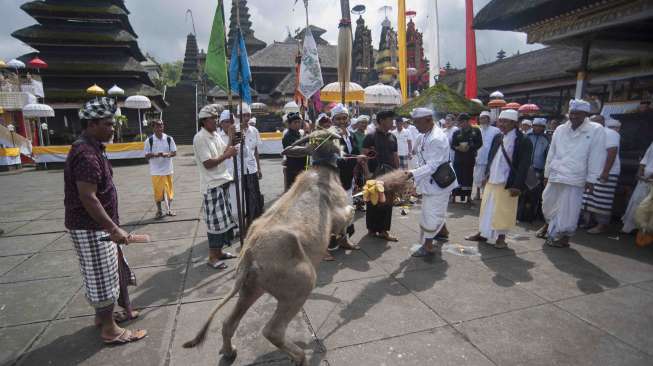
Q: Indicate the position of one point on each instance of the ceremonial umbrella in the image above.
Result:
(496, 95)
(95, 90)
(332, 93)
(495, 106)
(38, 110)
(138, 102)
(16, 64)
(37, 63)
(512, 105)
(529, 109)
(259, 107)
(497, 103)
(3, 64)
(115, 91)
(382, 95)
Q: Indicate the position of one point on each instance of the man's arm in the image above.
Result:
(258, 164)
(410, 147)
(92, 205)
(229, 152)
(609, 162)
(395, 160)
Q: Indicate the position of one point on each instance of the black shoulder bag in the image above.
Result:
(531, 175)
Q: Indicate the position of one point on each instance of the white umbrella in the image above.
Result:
(381, 94)
(496, 95)
(116, 90)
(291, 107)
(37, 110)
(138, 102)
(16, 64)
(259, 107)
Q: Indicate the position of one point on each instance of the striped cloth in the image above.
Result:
(100, 266)
(403, 162)
(601, 199)
(217, 210)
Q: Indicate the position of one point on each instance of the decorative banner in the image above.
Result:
(58, 154)
(471, 83)
(216, 57)
(310, 73)
(403, 54)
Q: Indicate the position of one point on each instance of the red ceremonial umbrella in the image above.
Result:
(529, 108)
(512, 105)
(37, 63)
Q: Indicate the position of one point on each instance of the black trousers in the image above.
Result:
(378, 218)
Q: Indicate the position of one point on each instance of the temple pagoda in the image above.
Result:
(416, 59)
(84, 43)
(387, 55)
(252, 44)
(363, 71)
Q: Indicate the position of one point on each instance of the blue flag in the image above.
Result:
(239, 72)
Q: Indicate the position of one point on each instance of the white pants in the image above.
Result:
(479, 175)
(434, 214)
(561, 205)
(234, 203)
(641, 191)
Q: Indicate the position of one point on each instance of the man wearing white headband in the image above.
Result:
(597, 205)
(432, 152)
(487, 133)
(509, 160)
(573, 165)
(530, 203)
(211, 156)
(526, 126)
(644, 180)
(252, 166)
(226, 131)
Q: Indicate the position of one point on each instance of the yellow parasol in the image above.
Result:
(332, 93)
(95, 90)
(3, 64)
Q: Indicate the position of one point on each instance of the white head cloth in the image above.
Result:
(252, 121)
(421, 113)
(211, 110)
(510, 114)
(539, 122)
(363, 117)
(485, 114)
(612, 123)
(246, 109)
(320, 116)
(579, 105)
(225, 115)
(339, 109)
(527, 122)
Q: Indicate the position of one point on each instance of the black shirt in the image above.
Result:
(384, 144)
(294, 164)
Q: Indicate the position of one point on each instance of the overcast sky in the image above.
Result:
(162, 27)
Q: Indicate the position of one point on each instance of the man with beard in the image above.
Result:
(487, 133)
(466, 141)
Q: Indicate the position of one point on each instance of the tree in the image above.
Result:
(448, 65)
(501, 54)
(170, 74)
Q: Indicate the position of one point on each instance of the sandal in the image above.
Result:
(171, 213)
(542, 232)
(349, 246)
(422, 252)
(227, 255)
(127, 336)
(328, 258)
(556, 243)
(159, 215)
(217, 265)
(388, 237)
(476, 237)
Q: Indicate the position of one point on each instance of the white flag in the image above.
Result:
(310, 73)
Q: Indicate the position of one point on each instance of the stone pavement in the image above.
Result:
(588, 305)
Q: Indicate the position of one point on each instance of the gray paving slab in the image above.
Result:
(440, 346)
(349, 265)
(28, 244)
(181, 214)
(44, 265)
(77, 342)
(556, 275)
(170, 230)
(365, 310)
(252, 347)
(40, 227)
(626, 313)
(7, 263)
(623, 268)
(206, 283)
(158, 253)
(648, 285)
(13, 216)
(16, 340)
(11, 227)
(157, 285)
(546, 335)
(24, 302)
(466, 291)
(63, 243)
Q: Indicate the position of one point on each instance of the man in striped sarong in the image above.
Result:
(91, 211)
(597, 205)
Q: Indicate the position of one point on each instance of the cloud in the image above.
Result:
(162, 25)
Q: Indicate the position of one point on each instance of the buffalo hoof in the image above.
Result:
(229, 354)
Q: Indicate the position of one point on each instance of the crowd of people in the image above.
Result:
(519, 169)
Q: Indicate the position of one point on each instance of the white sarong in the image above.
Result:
(479, 174)
(641, 191)
(561, 205)
(434, 214)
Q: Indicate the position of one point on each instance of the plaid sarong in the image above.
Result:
(403, 162)
(99, 263)
(217, 210)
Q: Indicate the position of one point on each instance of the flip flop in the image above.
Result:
(171, 213)
(477, 238)
(227, 255)
(556, 243)
(127, 336)
(328, 258)
(388, 237)
(159, 215)
(217, 265)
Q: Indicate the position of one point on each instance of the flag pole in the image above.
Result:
(239, 209)
(242, 144)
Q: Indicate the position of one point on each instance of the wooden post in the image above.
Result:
(581, 77)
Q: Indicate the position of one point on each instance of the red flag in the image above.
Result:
(471, 83)
(298, 97)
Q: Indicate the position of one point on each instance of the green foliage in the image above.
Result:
(443, 100)
(170, 74)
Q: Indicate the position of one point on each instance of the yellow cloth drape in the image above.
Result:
(11, 152)
(505, 206)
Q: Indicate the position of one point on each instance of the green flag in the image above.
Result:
(216, 58)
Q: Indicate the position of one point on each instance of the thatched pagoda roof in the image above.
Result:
(512, 15)
(443, 100)
(282, 55)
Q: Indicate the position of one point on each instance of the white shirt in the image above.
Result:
(487, 132)
(449, 132)
(500, 168)
(647, 161)
(432, 151)
(414, 134)
(207, 145)
(613, 139)
(403, 137)
(229, 162)
(576, 156)
(252, 142)
(371, 128)
(160, 165)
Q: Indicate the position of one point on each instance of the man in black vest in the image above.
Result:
(508, 165)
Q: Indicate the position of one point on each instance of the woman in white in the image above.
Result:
(644, 181)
